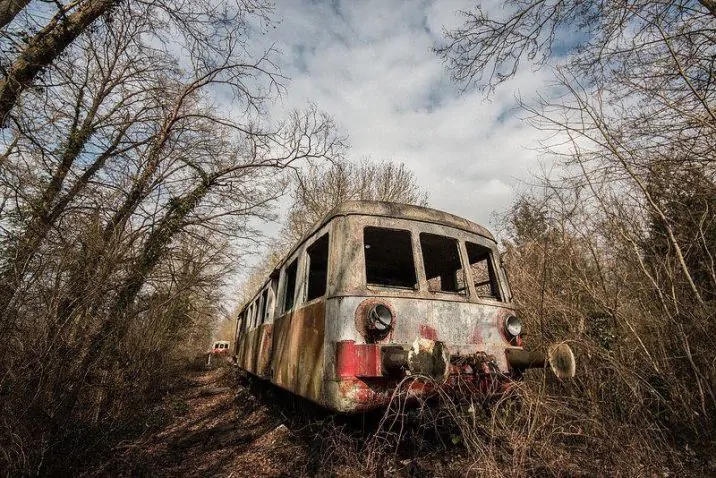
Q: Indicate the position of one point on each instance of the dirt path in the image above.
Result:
(217, 428)
(214, 426)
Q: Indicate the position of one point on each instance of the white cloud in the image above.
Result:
(370, 65)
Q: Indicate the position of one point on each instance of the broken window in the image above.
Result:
(389, 257)
(443, 269)
(245, 320)
(289, 290)
(318, 268)
(264, 302)
(272, 295)
(240, 326)
(482, 271)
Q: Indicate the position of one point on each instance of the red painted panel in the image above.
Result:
(357, 360)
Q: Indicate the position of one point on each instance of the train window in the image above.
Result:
(264, 301)
(483, 271)
(249, 317)
(252, 312)
(272, 295)
(318, 268)
(289, 290)
(443, 269)
(389, 257)
(239, 325)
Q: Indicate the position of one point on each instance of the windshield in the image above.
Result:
(449, 266)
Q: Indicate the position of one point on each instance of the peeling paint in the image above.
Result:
(324, 349)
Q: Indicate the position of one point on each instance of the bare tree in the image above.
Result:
(205, 30)
(127, 191)
(95, 115)
(319, 187)
(9, 9)
(636, 112)
(317, 190)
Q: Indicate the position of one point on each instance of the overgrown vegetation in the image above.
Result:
(616, 253)
(128, 187)
(138, 153)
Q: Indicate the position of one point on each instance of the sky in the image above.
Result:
(370, 66)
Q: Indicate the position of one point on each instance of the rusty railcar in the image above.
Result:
(378, 291)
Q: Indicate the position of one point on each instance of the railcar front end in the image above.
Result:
(379, 293)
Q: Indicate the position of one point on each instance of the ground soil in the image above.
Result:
(215, 427)
(218, 423)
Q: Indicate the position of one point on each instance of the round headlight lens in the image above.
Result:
(380, 317)
(513, 326)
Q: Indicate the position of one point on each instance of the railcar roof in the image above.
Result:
(385, 209)
(404, 211)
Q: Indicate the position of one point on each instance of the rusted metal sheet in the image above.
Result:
(297, 360)
(310, 331)
(357, 360)
(263, 366)
(281, 360)
(252, 341)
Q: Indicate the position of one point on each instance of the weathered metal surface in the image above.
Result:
(562, 361)
(297, 358)
(357, 360)
(263, 365)
(323, 350)
(465, 328)
(522, 359)
(559, 357)
(429, 358)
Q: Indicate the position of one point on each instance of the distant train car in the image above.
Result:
(219, 347)
(379, 291)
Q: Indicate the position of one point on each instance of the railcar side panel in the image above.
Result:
(310, 332)
(263, 359)
(297, 356)
(282, 365)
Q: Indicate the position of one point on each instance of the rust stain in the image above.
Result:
(428, 332)
(280, 359)
(477, 335)
(263, 366)
(297, 358)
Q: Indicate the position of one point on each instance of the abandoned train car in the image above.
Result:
(378, 291)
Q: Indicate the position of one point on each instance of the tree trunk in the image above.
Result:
(44, 48)
(44, 217)
(9, 9)
(117, 323)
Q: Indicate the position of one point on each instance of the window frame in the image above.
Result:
(492, 271)
(323, 233)
(460, 257)
(284, 285)
(417, 267)
(263, 300)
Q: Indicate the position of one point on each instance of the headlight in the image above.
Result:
(380, 318)
(513, 326)
(374, 319)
